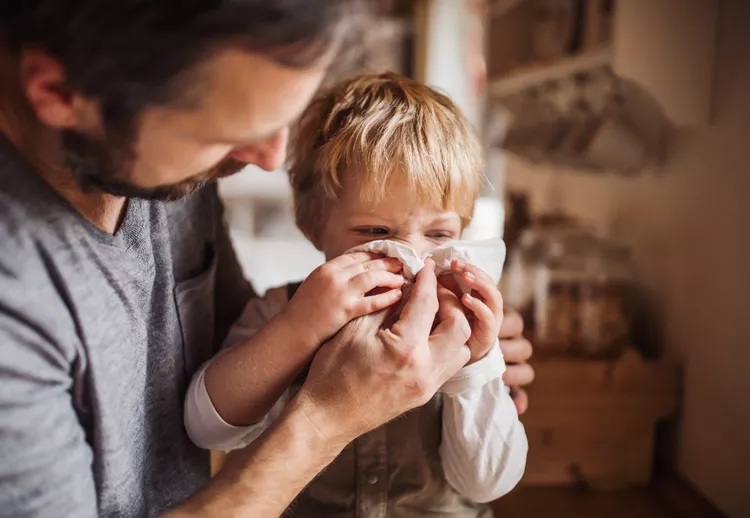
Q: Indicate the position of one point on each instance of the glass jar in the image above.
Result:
(579, 296)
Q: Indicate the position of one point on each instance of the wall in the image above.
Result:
(688, 224)
(445, 66)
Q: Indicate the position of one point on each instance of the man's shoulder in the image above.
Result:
(28, 206)
(26, 270)
(30, 220)
(32, 309)
(18, 248)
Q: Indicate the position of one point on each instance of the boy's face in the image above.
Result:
(398, 217)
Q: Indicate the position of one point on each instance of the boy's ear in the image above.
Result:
(315, 234)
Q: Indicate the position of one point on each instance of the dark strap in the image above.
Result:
(291, 289)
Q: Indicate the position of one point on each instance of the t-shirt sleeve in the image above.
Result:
(46, 466)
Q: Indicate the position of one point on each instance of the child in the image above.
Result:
(375, 158)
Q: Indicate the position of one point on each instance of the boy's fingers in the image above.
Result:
(460, 266)
(346, 260)
(377, 264)
(484, 314)
(371, 279)
(377, 302)
(486, 289)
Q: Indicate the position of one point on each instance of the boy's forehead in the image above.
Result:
(397, 197)
(395, 193)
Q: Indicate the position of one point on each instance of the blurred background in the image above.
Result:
(617, 139)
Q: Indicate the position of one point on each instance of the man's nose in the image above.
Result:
(268, 154)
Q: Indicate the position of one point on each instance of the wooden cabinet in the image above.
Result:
(593, 423)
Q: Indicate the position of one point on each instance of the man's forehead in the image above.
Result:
(250, 96)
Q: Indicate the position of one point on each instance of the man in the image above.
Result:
(111, 297)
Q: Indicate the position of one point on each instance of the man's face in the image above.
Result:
(244, 105)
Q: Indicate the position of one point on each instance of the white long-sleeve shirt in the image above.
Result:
(483, 448)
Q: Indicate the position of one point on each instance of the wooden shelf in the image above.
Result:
(666, 49)
(500, 7)
(541, 73)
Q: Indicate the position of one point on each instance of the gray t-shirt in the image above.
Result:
(99, 336)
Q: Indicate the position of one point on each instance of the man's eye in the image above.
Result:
(373, 231)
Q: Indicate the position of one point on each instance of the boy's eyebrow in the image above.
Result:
(446, 217)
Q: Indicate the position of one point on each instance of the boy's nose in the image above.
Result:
(419, 244)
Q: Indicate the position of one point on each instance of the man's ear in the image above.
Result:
(44, 83)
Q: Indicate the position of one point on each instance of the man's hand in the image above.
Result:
(517, 351)
(337, 292)
(367, 374)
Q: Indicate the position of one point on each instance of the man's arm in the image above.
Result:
(265, 477)
(45, 461)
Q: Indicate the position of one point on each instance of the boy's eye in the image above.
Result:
(440, 235)
(373, 231)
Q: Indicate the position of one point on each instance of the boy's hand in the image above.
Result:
(485, 305)
(339, 291)
(371, 372)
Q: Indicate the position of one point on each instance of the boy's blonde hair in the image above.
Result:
(378, 127)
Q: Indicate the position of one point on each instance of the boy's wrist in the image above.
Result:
(483, 350)
(300, 329)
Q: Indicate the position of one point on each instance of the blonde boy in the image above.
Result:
(375, 157)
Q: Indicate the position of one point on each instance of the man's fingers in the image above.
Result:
(368, 324)
(517, 350)
(518, 375)
(520, 399)
(448, 302)
(449, 281)
(419, 312)
(448, 346)
(512, 325)
(454, 329)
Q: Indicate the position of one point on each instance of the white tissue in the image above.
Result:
(488, 256)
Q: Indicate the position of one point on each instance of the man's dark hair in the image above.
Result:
(131, 54)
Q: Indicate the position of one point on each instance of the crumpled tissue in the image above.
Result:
(488, 255)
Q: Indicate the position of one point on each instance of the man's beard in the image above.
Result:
(99, 166)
